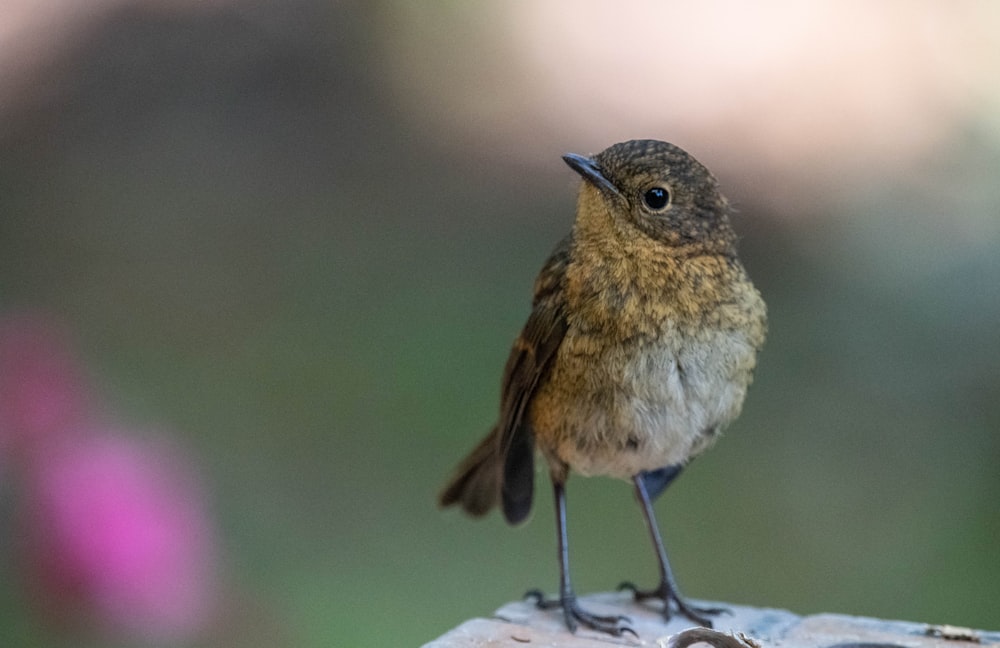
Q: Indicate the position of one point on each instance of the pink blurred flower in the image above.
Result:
(42, 394)
(117, 532)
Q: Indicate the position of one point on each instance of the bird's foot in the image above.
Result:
(614, 624)
(671, 599)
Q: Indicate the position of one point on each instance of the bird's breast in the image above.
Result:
(656, 360)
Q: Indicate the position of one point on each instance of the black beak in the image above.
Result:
(590, 172)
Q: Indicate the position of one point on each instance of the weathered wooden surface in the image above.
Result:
(521, 624)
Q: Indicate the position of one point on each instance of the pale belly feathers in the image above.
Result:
(663, 407)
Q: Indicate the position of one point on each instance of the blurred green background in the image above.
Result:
(303, 236)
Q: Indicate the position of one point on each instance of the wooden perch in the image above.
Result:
(523, 625)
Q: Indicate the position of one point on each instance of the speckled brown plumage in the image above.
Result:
(639, 349)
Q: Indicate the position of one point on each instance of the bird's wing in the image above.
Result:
(529, 362)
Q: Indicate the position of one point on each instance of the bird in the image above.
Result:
(639, 349)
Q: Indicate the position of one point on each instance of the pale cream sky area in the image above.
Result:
(792, 84)
(819, 92)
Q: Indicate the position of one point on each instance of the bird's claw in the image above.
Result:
(613, 624)
(666, 594)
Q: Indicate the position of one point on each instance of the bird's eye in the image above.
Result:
(656, 198)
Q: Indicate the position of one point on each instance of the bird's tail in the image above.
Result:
(476, 483)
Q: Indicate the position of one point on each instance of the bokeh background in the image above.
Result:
(297, 238)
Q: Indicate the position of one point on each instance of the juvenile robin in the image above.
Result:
(639, 350)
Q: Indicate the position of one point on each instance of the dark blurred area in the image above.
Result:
(300, 238)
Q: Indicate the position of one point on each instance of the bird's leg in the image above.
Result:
(575, 615)
(667, 590)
